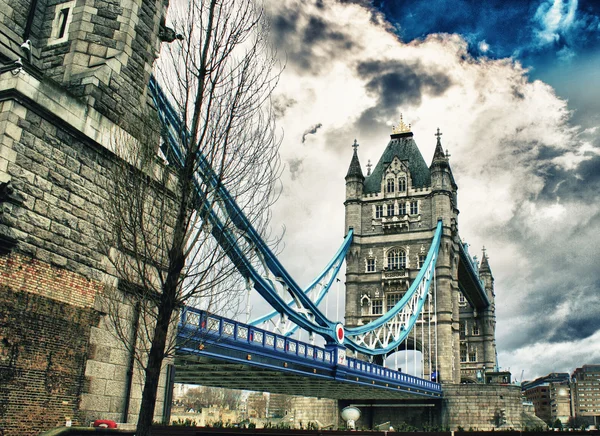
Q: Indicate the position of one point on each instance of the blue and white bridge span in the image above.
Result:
(220, 352)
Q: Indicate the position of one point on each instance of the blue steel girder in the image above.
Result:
(216, 351)
(329, 274)
(469, 281)
(378, 337)
(311, 319)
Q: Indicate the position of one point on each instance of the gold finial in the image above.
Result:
(401, 127)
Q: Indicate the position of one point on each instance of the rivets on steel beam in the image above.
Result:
(249, 357)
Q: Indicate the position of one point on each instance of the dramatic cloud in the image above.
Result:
(311, 131)
(308, 39)
(528, 174)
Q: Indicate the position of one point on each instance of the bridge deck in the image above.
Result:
(215, 351)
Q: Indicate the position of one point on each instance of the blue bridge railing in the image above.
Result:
(209, 328)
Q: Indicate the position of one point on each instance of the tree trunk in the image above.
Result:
(153, 368)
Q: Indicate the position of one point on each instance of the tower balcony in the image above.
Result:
(395, 273)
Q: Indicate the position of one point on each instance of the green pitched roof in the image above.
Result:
(405, 147)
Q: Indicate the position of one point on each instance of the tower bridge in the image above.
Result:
(410, 281)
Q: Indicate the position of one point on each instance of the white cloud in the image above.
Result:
(496, 125)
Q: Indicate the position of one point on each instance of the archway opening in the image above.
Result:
(407, 361)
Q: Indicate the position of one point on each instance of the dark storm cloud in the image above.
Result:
(298, 34)
(579, 184)
(561, 293)
(395, 84)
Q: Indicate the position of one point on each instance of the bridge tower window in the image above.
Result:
(414, 207)
(371, 264)
(476, 328)
(378, 211)
(401, 184)
(392, 299)
(462, 301)
(377, 307)
(463, 353)
(463, 329)
(390, 185)
(421, 260)
(390, 209)
(396, 259)
(473, 354)
(402, 208)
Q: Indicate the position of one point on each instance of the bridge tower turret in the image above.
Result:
(488, 317)
(353, 205)
(444, 207)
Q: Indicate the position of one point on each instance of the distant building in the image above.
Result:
(550, 396)
(585, 395)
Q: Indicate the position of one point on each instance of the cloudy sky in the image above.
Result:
(515, 88)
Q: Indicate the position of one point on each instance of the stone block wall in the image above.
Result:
(477, 406)
(54, 162)
(308, 409)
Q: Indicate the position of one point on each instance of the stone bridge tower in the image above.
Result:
(394, 211)
(73, 73)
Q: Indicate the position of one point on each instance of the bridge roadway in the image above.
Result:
(215, 351)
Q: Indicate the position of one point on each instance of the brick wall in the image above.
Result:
(43, 353)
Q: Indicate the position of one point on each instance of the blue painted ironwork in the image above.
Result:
(378, 337)
(331, 270)
(213, 329)
(473, 271)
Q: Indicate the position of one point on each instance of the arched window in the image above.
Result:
(390, 185)
(396, 259)
(401, 184)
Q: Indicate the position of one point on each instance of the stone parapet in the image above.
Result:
(482, 407)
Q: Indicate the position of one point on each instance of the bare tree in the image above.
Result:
(205, 396)
(219, 78)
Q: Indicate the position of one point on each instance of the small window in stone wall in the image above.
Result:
(473, 354)
(463, 329)
(401, 184)
(462, 301)
(390, 210)
(379, 211)
(476, 328)
(421, 260)
(414, 207)
(63, 16)
(377, 307)
(463, 353)
(390, 185)
(392, 300)
(371, 265)
(402, 208)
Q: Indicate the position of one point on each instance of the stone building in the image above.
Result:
(585, 395)
(394, 211)
(72, 75)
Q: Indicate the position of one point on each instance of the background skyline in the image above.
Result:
(514, 89)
